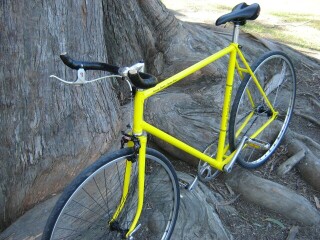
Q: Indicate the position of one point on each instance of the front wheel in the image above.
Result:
(250, 112)
(87, 205)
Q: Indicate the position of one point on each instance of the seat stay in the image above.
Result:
(257, 83)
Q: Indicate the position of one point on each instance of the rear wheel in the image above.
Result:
(86, 207)
(249, 111)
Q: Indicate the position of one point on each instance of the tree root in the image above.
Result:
(229, 202)
(309, 168)
(307, 140)
(197, 215)
(273, 196)
(308, 117)
(315, 102)
(285, 167)
(311, 98)
(292, 233)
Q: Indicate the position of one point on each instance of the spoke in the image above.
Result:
(86, 208)
(250, 153)
(81, 219)
(282, 76)
(245, 116)
(254, 120)
(93, 199)
(105, 184)
(94, 179)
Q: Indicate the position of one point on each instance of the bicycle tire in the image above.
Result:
(276, 75)
(87, 205)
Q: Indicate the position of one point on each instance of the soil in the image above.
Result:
(252, 221)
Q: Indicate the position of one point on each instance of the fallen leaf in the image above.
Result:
(257, 224)
(275, 221)
(229, 189)
(317, 202)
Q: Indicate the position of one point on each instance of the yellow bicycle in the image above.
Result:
(134, 192)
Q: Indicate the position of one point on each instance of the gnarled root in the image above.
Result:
(309, 167)
(273, 196)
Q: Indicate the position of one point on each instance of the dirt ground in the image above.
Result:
(252, 221)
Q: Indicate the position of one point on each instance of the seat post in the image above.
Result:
(236, 30)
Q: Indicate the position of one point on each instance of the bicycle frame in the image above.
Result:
(140, 126)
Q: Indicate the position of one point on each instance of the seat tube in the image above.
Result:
(226, 104)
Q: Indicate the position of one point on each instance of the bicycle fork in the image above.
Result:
(141, 159)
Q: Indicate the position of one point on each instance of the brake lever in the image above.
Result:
(82, 78)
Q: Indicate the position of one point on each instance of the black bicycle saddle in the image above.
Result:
(240, 14)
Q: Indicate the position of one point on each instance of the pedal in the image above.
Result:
(259, 144)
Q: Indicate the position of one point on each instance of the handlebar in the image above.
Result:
(134, 73)
(88, 65)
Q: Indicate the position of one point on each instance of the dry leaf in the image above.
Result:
(275, 221)
(317, 202)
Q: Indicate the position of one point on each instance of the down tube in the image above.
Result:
(183, 146)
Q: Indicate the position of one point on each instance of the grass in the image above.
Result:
(221, 7)
(282, 34)
(299, 28)
(311, 20)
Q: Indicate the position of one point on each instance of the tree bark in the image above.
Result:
(49, 131)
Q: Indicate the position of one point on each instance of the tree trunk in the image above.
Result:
(49, 131)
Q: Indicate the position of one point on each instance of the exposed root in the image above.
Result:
(274, 196)
(309, 167)
(308, 117)
(293, 232)
(285, 167)
(312, 98)
(307, 140)
(228, 202)
(315, 102)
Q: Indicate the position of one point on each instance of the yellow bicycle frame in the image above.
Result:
(140, 126)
